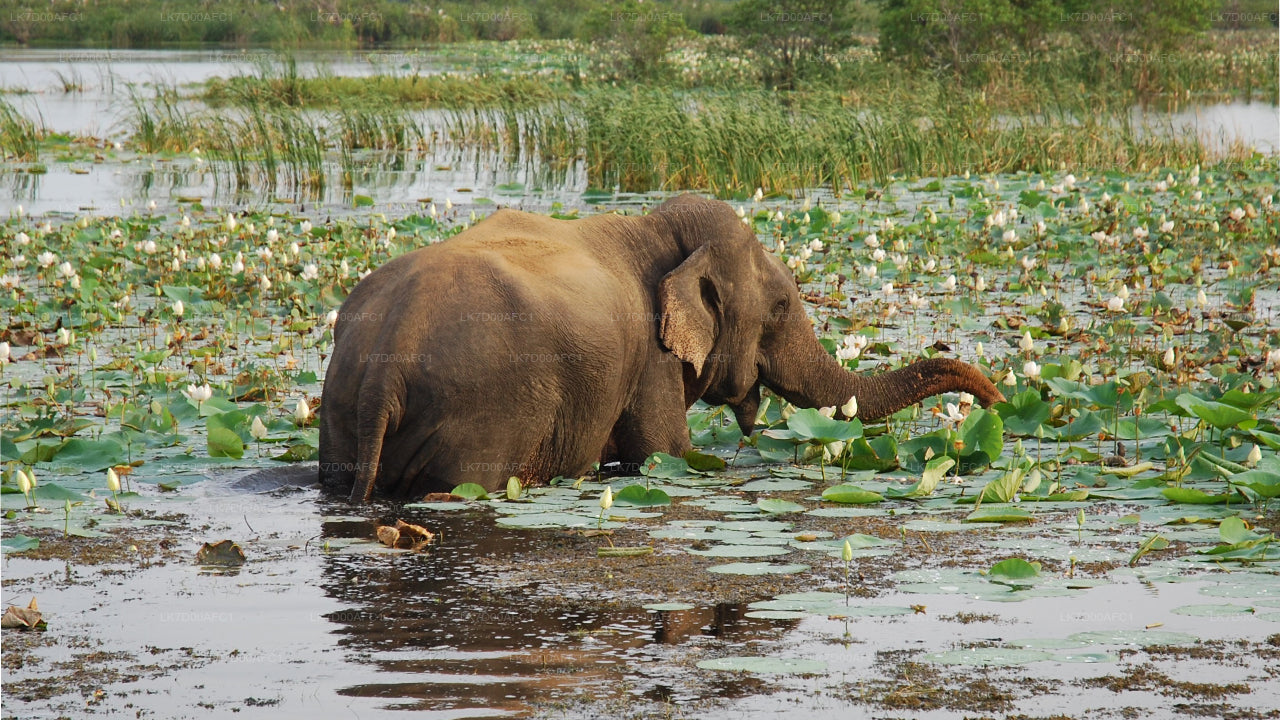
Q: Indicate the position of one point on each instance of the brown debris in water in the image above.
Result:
(405, 535)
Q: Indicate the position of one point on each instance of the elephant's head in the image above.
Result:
(733, 313)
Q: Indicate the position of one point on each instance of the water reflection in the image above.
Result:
(446, 636)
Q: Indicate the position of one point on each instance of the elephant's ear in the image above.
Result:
(688, 297)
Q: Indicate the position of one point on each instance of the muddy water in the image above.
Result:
(493, 622)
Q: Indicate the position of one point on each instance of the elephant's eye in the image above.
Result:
(779, 310)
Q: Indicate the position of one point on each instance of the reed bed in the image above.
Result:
(19, 135)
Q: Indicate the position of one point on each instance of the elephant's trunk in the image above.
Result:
(815, 379)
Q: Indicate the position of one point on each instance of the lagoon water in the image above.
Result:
(36, 81)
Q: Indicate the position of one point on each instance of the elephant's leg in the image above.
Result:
(654, 421)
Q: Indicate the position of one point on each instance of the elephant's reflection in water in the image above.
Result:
(442, 629)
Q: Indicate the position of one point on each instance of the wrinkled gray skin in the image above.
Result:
(535, 347)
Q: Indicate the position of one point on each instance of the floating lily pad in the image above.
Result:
(758, 568)
(776, 485)
(1001, 657)
(1213, 610)
(1253, 589)
(19, 543)
(740, 551)
(776, 614)
(668, 607)
(765, 665)
(1134, 637)
(1084, 657)
(1049, 643)
(774, 506)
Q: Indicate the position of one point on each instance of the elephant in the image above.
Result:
(534, 347)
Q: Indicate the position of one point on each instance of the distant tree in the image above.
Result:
(635, 35)
(793, 37)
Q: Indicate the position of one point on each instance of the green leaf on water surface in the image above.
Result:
(983, 436)
(668, 607)
(934, 471)
(1191, 496)
(470, 491)
(1233, 530)
(1225, 610)
(225, 443)
(1155, 542)
(740, 551)
(1024, 413)
(1263, 482)
(702, 461)
(640, 496)
(765, 665)
(778, 507)
(664, 466)
(851, 495)
(615, 551)
(998, 514)
(298, 453)
(810, 425)
(1143, 638)
(879, 453)
(1003, 488)
(362, 201)
(19, 543)
(1000, 657)
(187, 295)
(90, 455)
(1219, 415)
(1014, 569)
(758, 568)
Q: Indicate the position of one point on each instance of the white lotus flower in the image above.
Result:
(870, 271)
(301, 412)
(257, 429)
(828, 412)
(1010, 236)
(1031, 370)
(265, 254)
(872, 240)
(1201, 299)
(1255, 455)
(46, 259)
(331, 318)
(198, 393)
(850, 408)
(185, 222)
(758, 196)
(606, 498)
(22, 238)
(816, 246)
(309, 272)
(1123, 293)
(1115, 304)
(1029, 263)
(1237, 214)
(264, 283)
(915, 300)
(836, 216)
(949, 284)
(178, 308)
(1069, 180)
(1168, 359)
(979, 349)
(113, 480)
(980, 285)
(931, 265)
(887, 290)
(231, 222)
(1273, 358)
(24, 482)
(65, 336)
(305, 226)
(5, 358)
(1026, 344)
(878, 255)
(1166, 226)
